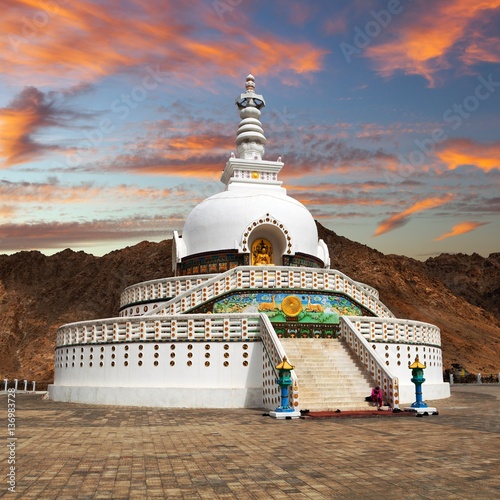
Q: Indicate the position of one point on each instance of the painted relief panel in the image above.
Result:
(285, 307)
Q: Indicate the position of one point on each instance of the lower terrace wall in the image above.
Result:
(397, 357)
(165, 374)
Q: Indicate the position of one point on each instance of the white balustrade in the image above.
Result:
(249, 277)
(397, 330)
(179, 327)
(275, 353)
(355, 339)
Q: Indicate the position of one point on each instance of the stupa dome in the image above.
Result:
(222, 221)
(253, 221)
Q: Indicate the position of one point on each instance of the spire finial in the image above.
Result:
(250, 84)
(250, 138)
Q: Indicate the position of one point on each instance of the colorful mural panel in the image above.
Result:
(284, 307)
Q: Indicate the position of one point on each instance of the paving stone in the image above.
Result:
(69, 450)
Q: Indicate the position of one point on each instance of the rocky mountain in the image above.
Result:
(38, 293)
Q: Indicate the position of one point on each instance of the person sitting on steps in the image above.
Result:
(377, 397)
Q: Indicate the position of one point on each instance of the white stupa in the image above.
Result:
(252, 285)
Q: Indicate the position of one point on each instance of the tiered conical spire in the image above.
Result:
(250, 139)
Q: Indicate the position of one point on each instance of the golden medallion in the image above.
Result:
(291, 305)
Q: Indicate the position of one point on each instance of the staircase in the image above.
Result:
(330, 377)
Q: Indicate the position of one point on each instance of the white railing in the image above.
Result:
(371, 360)
(397, 330)
(182, 327)
(248, 277)
(164, 288)
(275, 354)
(368, 288)
(160, 288)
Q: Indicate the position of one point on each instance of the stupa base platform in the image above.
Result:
(284, 415)
(430, 410)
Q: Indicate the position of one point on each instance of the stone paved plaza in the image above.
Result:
(66, 450)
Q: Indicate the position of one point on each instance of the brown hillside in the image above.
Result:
(470, 335)
(40, 293)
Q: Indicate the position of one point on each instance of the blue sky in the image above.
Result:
(117, 117)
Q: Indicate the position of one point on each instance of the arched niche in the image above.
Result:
(273, 235)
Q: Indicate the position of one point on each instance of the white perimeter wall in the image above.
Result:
(168, 374)
(397, 356)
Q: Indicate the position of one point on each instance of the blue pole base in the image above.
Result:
(284, 415)
(429, 410)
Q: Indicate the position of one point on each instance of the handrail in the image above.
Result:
(276, 353)
(160, 288)
(251, 277)
(397, 330)
(372, 361)
(164, 288)
(180, 327)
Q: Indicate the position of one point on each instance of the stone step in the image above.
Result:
(330, 376)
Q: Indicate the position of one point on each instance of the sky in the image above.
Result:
(117, 117)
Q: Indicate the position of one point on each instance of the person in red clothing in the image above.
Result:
(377, 397)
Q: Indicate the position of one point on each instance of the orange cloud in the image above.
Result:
(461, 228)
(25, 115)
(72, 42)
(401, 218)
(6, 211)
(50, 235)
(54, 193)
(457, 152)
(24, 119)
(425, 36)
(41, 193)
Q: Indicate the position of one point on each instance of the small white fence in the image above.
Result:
(275, 354)
(396, 330)
(158, 328)
(249, 277)
(350, 333)
(18, 385)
